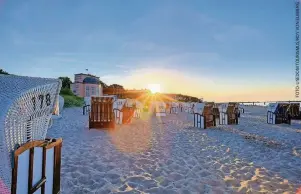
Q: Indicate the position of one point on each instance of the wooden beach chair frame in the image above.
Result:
(49, 180)
(101, 114)
(127, 114)
(294, 111)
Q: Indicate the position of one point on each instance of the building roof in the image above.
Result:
(91, 80)
(86, 74)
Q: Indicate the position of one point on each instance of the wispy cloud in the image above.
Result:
(21, 39)
(237, 33)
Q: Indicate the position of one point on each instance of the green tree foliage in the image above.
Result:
(116, 86)
(3, 72)
(185, 98)
(104, 85)
(66, 81)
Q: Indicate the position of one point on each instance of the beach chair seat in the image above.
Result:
(26, 108)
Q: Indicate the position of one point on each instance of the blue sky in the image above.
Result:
(231, 48)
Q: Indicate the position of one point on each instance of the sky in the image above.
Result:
(238, 50)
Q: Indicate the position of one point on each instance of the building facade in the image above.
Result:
(86, 85)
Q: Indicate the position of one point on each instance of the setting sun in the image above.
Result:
(154, 88)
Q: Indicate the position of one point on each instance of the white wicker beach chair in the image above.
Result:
(138, 110)
(174, 109)
(160, 109)
(117, 107)
(27, 105)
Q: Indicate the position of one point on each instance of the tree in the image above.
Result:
(116, 86)
(104, 85)
(3, 72)
(65, 82)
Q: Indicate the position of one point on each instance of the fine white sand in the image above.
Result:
(167, 155)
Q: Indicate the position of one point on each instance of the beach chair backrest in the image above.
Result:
(26, 107)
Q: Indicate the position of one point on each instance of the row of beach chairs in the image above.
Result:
(107, 111)
(205, 114)
(210, 114)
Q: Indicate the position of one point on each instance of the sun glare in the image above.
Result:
(154, 88)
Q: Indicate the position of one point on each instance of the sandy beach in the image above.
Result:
(167, 155)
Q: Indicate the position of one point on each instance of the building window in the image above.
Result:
(87, 91)
(93, 90)
(76, 86)
(97, 91)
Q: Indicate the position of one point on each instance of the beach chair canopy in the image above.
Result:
(223, 107)
(199, 108)
(158, 106)
(119, 103)
(130, 102)
(204, 108)
(272, 107)
(139, 104)
(174, 104)
(26, 106)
